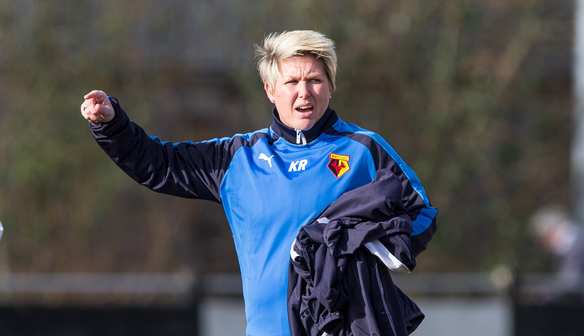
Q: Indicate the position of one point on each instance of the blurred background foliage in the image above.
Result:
(475, 95)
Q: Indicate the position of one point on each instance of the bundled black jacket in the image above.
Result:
(336, 286)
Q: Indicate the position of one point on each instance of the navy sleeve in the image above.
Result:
(185, 169)
(414, 197)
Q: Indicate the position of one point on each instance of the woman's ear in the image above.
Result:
(269, 93)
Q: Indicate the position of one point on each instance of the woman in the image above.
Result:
(272, 181)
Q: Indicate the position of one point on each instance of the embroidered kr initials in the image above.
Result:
(298, 165)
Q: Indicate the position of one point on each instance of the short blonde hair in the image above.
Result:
(280, 46)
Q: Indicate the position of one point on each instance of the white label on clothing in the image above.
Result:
(388, 259)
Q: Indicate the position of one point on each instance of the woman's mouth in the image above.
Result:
(305, 108)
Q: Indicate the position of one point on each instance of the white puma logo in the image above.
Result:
(265, 157)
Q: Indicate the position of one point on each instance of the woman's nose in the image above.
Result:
(303, 90)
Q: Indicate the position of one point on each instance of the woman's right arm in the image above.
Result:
(186, 169)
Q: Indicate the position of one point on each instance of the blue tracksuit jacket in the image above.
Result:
(269, 187)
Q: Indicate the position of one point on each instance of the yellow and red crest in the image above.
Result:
(339, 164)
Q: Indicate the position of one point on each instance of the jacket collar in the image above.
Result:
(289, 134)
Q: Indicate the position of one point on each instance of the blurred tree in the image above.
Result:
(475, 95)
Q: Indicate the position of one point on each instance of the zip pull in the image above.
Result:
(300, 138)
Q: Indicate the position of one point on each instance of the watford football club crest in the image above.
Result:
(339, 164)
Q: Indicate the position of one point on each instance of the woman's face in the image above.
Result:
(302, 92)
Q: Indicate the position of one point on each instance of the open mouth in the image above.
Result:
(305, 108)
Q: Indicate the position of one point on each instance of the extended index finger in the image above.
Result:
(96, 94)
